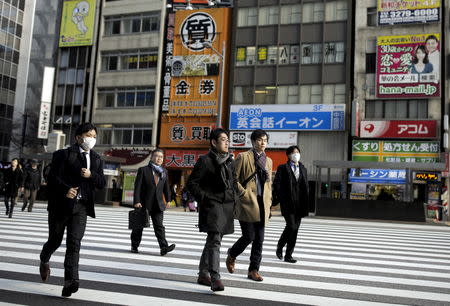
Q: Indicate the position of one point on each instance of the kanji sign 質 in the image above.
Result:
(313, 117)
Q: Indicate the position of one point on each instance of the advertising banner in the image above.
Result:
(392, 12)
(77, 23)
(396, 151)
(408, 66)
(377, 176)
(293, 117)
(399, 129)
(241, 139)
(197, 59)
(44, 120)
(167, 64)
(186, 132)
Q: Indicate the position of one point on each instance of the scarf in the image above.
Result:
(157, 169)
(260, 163)
(221, 158)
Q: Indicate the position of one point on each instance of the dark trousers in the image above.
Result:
(29, 194)
(210, 260)
(289, 235)
(10, 208)
(252, 232)
(75, 224)
(160, 231)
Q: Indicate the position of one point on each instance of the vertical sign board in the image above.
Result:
(46, 102)
(408, 66)
(77, 23)
(392, 12)
(195, 84)
(167, 70)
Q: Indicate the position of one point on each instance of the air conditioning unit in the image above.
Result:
(56, 141)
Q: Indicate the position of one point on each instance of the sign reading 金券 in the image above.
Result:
(288, 117)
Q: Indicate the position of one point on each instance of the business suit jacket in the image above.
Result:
(248, 209)
(283, 186)
(65, 173)
(13, 181)
(146, 191)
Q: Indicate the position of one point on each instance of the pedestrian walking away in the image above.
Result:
(74, 175)
(213, 183)
(151, 184)
(13, 181)
(290, 189)
(32, 183)
(254, 173)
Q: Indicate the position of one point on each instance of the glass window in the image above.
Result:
(252, 16)
(262, 55)
(137, 137)
(336, 10)
(140, 98)
(136, 25)
(64, 60)
(240, 56)
(243, 95)
(265, 94)
(105, 136)
(283, 54)
(112, 63)
(294, 54)
(130, 99)
(121, 99)
(72, 57)
(334, 52)
(149, 98)
(268, 15)
(290, 14)
(126, 136)
(78, 95)
(147, 137)
(282, 94)
(328, 92)
(292, 94)
(251, 55)
(274, 14)
(372, 16)
(316, 94)
(272, 55)
(71, 76)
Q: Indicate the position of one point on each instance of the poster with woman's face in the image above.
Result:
(408, 66)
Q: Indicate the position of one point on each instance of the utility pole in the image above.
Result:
(24, 131)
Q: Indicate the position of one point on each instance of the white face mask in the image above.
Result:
(88, 143)
(295, 157)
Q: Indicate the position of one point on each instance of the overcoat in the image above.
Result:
(216, 201)
(248, 210)
(146, 191)
(32, 179)
(283, 186)
(65, 173)
(13, 181)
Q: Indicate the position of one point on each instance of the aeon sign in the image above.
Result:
(399, 129)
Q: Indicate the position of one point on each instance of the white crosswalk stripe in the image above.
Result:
(341, 262)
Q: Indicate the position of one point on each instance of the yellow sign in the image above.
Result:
(404, 39)
(395, 5)
(262, 53)
(77, 23)
(240, 54)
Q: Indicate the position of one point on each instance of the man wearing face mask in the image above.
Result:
(75, 174)
(290, 188)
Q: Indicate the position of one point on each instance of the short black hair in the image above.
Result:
(431, 37)
(157, 150)
(291, 149)
(215, 134)
(15, 158)
(256, 134)
(84, 128)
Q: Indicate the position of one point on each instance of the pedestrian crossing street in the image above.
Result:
(341, 262)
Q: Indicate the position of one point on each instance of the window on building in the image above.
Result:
(124, 135)
(288, 94)
(372, 16)
(243, 95)
(310, 94)
(311, 53)
(283, 54)
(371, 62)
(130, 24)
(290, 14)
(312, 12)
(396, 109)
(333, 94)
(272, 55)
(126, 97)
(268, 15)
(336, 10)
(241, 56)
(247, 17)
(265, 94)
(334, 52)
(140, 59)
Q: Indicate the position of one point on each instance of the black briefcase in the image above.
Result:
(138, 218)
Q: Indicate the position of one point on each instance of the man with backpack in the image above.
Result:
(74, 175)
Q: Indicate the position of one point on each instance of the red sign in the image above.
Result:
(188, 158)
(399, 129)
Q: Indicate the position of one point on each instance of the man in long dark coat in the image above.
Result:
(213, 184)
(290, 187)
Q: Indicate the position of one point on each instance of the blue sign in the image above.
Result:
(288, 117)
(377, 176)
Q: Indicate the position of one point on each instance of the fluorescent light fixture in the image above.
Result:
(261, 91)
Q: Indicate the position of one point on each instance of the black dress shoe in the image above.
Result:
(72, 288)
(279, 253)
(134, 250)
(23, 207)
(170, 248)
(44, 270)
(217, 285)
(290, 260)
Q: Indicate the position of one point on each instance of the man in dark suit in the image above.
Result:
(150, 185)
(290, 188)
(75, 174)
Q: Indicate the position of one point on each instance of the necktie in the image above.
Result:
(296, 172)
(84, 159)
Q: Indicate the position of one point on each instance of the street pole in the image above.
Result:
(222, 78)
(24, 130)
